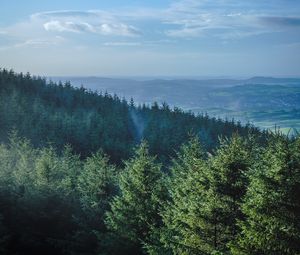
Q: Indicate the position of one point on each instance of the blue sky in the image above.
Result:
(151, 38)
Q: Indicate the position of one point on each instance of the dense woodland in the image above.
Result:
(83, 172)
(60, 114)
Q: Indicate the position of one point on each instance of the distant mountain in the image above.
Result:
(188, 93)
(271, 80)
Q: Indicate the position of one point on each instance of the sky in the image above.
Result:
(235, 38)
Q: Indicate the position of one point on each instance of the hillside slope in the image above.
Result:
(264, 101)
(61, 114)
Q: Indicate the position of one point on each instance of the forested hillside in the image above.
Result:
(89, 173)
(264, 101)
(60, 114)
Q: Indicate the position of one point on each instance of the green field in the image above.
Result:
(285, 120)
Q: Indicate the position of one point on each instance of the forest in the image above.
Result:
(86, 172)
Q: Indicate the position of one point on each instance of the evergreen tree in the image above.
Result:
(228, 178)
(47, 169)
(272, 203)
(70, 168)
(96, 186)
(19, 165)
(96, 183)
(134, 212)
(181, 232)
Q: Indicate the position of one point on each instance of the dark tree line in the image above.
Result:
(45, 112)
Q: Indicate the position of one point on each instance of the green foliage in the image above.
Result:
(96, 183)
(240, 198)
(272, 203)
(134, 212)
(70, 168)
(55, 203)
(204, 208)
(46, 112)
(187, 186)
(229, 169)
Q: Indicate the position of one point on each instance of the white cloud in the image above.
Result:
(186, 32)
(66, 14)
(234, 14)
(36, 43)
(42, 41)
(85, 21)
(118, 29)
(198, 18)
(122, 44)
(68, 26)
(78, 27)
(51, 24)
(228, 20)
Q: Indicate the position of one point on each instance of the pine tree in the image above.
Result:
(96, 183)
(47, 169)
(70, 168)
(96, 186)
(187, 185)
(19, 165)
(272, 203)
(134, 211)
(228, 178)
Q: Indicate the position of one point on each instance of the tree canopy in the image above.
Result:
(86, 173)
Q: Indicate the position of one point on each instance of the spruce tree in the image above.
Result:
(272, 203)
(96, 187)
(134, 211)
(96, 183)
(187, 186)
(228, 178)
(70, 169)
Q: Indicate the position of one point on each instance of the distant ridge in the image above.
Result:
(262, 79)
(94, 81)
(193, 93)
(265, 101)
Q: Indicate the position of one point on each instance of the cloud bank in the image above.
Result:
(97, 22)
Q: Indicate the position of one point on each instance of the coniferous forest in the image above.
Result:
(85, 172)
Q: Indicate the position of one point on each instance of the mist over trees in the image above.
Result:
(89, 173)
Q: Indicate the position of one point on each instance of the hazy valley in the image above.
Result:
(263, 101)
